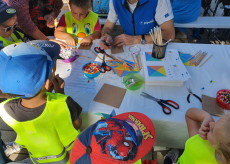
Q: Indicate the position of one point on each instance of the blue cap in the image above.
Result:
(6, 12)
(25, 67)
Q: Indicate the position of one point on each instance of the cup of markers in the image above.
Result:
(223, 98)
(91, 70)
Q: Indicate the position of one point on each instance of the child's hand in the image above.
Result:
(204, 128)
(49, 20)
(86, 41)
(70, 41)
(58, 84)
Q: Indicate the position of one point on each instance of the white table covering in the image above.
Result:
(171, 130)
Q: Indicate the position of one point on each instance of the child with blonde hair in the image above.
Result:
(79, 24)
(209, 141)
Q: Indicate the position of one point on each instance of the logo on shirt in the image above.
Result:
(148, 22)
(166, 15)
(11, 11)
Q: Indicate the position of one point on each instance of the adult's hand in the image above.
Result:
(49, 21)
(124, 39)
(106, 42)
(62, 44)
(70, 40)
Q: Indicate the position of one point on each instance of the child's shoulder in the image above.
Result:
(56, 96)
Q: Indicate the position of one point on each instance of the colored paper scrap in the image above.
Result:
(122, 68)
(148, 57)
(156, 71)
(185, 58)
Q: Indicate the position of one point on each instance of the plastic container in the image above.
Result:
(68, 55)
(223, 98)
(91, 70)
(133, 81)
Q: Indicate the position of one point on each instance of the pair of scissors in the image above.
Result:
(191, 93)
(100, 50)
(104, 66)
(162, 103)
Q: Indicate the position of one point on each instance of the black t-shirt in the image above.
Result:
(21, 114)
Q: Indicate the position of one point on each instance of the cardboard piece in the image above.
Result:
(209, 105)
(110, 95)
(117, 50)
(85, 47)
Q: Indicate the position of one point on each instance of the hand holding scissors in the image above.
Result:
(162, 103)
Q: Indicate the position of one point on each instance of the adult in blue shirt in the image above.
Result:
(185, 11)
(137, 18)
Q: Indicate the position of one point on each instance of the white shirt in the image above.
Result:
(163, 8)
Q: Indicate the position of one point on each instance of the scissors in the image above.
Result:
(104, 66)
(162, 103)
(190, 93)
(99, 50)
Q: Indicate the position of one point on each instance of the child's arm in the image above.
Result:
(88, 39)
(198, 122)
(60, 34)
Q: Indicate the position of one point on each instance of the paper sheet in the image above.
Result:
(209, 105)
(167, 70)
(110, 95)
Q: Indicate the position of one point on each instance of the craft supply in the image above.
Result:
(91, 70)
(197, 58)
(135, 63)
(206, 60)
(133, 81)
(117, 49)
(99, 50)
(68, 55)
(122, 67)
(191, 93)
(95, 54)
(210, 105)
(169, 71)
(104, 67)
(223, 98)
(159, 46)
(162, 103)
(139, 61)
(110, 95)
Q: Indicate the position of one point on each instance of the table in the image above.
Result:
(171, 130)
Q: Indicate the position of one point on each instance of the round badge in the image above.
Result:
(11, 11)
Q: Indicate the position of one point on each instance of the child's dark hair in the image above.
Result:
(85, 4)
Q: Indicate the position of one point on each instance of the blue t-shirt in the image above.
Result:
(186, 11)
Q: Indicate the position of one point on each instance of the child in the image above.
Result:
(209, 141)
(80, 23)
(45, 122)
(8, 22)
(125, 138)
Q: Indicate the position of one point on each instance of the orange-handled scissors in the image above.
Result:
(162, 103)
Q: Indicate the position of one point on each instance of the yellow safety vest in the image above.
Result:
(16, 36)
(82, 28)
(49, 137)
(197, 151)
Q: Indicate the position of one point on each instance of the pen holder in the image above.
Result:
(158, 51)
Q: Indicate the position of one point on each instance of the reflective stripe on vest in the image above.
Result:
(54, 141)
(197, 151)
(62, 161)
(82, 28)
(16, 36)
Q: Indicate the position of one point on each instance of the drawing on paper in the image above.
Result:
(148, 57)
(122, 68)
(156, 71)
